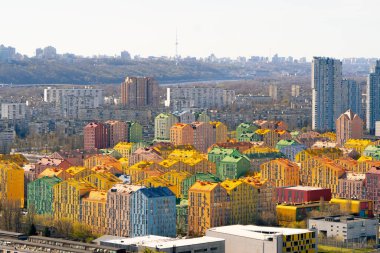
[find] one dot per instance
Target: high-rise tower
(139, 92)
(373, 96)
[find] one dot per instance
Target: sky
(226, 28)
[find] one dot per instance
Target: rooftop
(305, 188)
(170, 244)
(257, 232)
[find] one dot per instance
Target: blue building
(373, 95)
(153, 212)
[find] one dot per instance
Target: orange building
(281, 172)
(181, 134)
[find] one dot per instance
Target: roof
(257, 232)
(222, 151)
(305, 188)
(96, 195)
(140, 240)
(231, 184)
(123, 188)
(233, 159)
(170, 244)
(157, 192)
(75, 170)
(203, 186)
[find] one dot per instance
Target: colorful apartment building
(244, 128)
(154, 182)
(118, 215)
(182, 134)
(12, 183)
(135, 131)
(153, 212)
(358, 207)
(101, 160)
(203, 135)
(208, 207)
(68, 199)
(271, 124)
(233, 167)
(217, 154)
(176, 178)
(141, 171)
(199, 176)
(243, 201)
(40, 194)
(125, 148)
(55, 172)
(117, 130)
(352, 186)
(348, 126)
(290, 148)
(373, 187)
(219, 131)
(162, 124)
(78, 172)
(93, 213)
(372, 151)
(102, 181)
(281, 172)
(307, 154)
(357, 144)
(96, 136)
(266, 194)
(144, 154)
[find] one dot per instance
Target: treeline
(92, 70)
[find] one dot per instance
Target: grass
(330, 249)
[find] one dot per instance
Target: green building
(285, 143)
(217, 154)
(135, 132)
(233, 167)
(245, 128)
(40, 194)
(199, 176)
(372, 151)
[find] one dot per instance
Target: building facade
(348, 126)
(139, 92)
(373, 95)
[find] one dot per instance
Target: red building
(372, 181)
(302, 194)
(95, 136)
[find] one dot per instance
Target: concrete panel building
(13, 111)
(139, 92)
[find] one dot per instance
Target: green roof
(222, 151)
(207, 177)
(372, 148)
(234, 159)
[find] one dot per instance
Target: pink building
(203, 135)
(144, 154)
(352, 186)
(118, 205)
(95, 136)
(372, 178)
(182, 134)
(302, 194)
(118, 132)
(348, 126)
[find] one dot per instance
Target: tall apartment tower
(350, 96)
(139, 91)
(326, 83)
(273, 91)
(373, 96)
(348, 126)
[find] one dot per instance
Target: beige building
(162, 124)
(348, 126)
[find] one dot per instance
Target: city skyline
(244, 28)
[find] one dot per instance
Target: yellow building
(78, 172)
(324, 173)
(124, 148)
(243, 201)
(102, 181)
(281, 172)
(94, 211)
(219, 131)
(362, 207)
(124, 162)
(142, 170)
(157, 181)
(329, 135)
(169, 165)
(358, 145)
(183, 154)
(12, 183)
(266, 193)
(208, 207)
(332, 153)
(101, 160)
(67, 199)
(55, 172)
(176, 178)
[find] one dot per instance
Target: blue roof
(157, 192)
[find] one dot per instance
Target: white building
(6, 139)
(345, 228)
(182, 98)
(295, 90)
(258, 239)
(164, 244)
(70, 100)
(186, 117)
(13, 111)
(377, 128)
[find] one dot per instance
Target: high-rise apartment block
(95, 136)
(348, 126)
(139, 92)
(13, 111)
(351, 96)
(373, 95)
(182, 98)
(273, 91)
(69, 101)
(326, 81)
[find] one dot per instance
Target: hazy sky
(337, 28)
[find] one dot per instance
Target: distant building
(69, 101)
(139, 92)
(48, 52)
(351, 96)
(135, 131)
(326, 81)
(348, 126)
(250, 238)
(125, 55)
(182, 134)
(373, 95)
(162, 124)
(95, 136)
(118, 132)
(7, 53)
(295, 90)
(13, 111)
(372, 178)
(203, 136)
(273, 92)
(184, 98)
(185, 116)
(7, 137)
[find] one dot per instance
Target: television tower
(176, 47)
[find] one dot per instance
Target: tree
(46, 232)
(82, 232)
(64, 227)
(32, 230)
